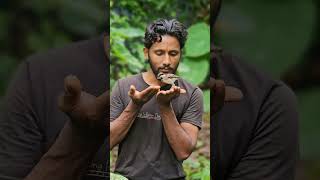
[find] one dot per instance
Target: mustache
(166, 68)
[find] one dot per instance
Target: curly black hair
(161, 27)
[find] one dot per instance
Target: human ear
(146, 53)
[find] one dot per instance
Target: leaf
(114, 176)
(120, 51)
(194, 70)
(198, 42)
(129, 32)
(272, 41)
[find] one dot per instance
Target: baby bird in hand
(169, 80)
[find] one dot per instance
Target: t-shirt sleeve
(116, 103)
(194, 111)
(273, 151)
(20, 135)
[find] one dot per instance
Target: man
(256, 135)
(156, 129)
(37, 140)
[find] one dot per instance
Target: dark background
(278, 36)
(281, 37)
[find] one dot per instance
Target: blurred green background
(128, 20)
(278, 36)
(27, 27)
(281, 38)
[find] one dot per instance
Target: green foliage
(128, 20)
(266, 34)
(7, 65)
(28, 27)
(198, 169)
(309, 124)
(198, 43)
(274, 42)
(114, 176)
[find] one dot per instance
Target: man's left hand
(165, 97)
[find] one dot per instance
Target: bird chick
(169, 80)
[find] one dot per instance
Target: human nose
(166, 60)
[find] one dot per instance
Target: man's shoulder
(130, 79)
(85, 59)
(251, 80)
(71, 53)
(135, 79)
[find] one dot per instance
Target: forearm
(69, 156)
(179, 140)
(120, 126)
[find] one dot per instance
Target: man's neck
(150, 78)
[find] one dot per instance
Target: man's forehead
(167, 41)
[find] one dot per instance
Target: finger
(173, 90)
(233, 94)
(183, 91)
(103, 102)
(162, 92)
(211, 83)
(176, 92)
(72, 86)
(156, 90)
(71, 95)
(151, 90)
(218, 95)
(103, 106)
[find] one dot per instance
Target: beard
(155, 70)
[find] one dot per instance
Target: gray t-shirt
(145, 152)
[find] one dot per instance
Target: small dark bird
(169, 80)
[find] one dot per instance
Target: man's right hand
(80, 138)
(140, 98)
(121, 125)
(85, 110)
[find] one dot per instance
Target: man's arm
(69, 157)
(81, 137)
(121, 125)
(182, 137)
(273, 151)
(21, 152)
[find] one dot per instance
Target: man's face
(164, 56)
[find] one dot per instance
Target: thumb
(72, 86)
(218, 95)
(103, 102)
(72, 92)
(132, 90)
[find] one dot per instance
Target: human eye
(159, 53)
(174, 53)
